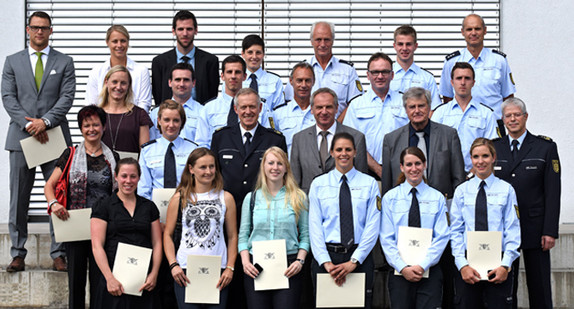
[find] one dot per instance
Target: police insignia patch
(512, 79)
(556, 166)
(517, 212)
(272, 122)
(359, 86)
(379, 205)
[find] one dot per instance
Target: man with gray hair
(331, 72)
(531, 165)
(439, 143)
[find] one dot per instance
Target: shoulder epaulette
(222, 128)
(439, 106)
(496, 139)
(274, 131)
(186, 139)
(346, 62)
(428, 71)
(320, 175)
(152, 108)
(353, 98)
(149, 143)
(490, 108)
(544, 137)
(499, 52)
(273, 73)
(452, 55)
(400, 92)
(281, 105)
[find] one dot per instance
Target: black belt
(338, 248)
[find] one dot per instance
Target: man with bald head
(330, 72)
(494, 82)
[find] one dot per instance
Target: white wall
(13, 17)
(536, 35)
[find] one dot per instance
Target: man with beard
(205, 65)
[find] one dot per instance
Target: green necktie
(39, 70)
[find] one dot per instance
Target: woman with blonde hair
(196, 216)
(127, 126)
(279, 211)
(117, 39)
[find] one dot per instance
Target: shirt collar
(519, 139)
(130, 64)
(350, 174)
(252, 131)
(331, 130)
(472, 104)
(475, 181)
(45, 51)
(467, 56)
(421, 187)
(414, 67)
(315, 61)
(292, 105)
(191, 54)
(426, 129)
(191, 103)
(258, 73)
(176, 142)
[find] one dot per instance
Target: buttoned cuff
(323, 258)
(460, 262)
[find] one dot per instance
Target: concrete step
(34, 289)
(38, 246)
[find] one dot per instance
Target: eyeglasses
(384, 72)
(516, 115)
(37, 28)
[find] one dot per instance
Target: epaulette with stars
(452, 55)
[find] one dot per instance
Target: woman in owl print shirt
(196, 216)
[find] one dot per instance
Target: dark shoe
(17, 264)
(60, 264)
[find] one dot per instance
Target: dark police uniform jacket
(240, 169)
(535, 175)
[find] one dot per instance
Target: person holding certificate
(196, 217)
(127, 125)
(128, 218)
(118, 40)
(344, 220)
(416, 205)
(484, 203)
(91, 175)
(278, 211)
(163, 160)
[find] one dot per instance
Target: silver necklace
(114, 137)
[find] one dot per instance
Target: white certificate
(484, 251)
(76, 228)
(203, 272)
(131, 266)
(350, 295)
(127, 154)
(413, 244)
(161, 199)
(272, 256)
(37, 153)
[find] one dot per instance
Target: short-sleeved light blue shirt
(269, 86)
(290, 119)
(415, 76)
(192, 110)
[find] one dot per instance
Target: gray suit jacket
(445, 165)
(21, 98)
(305, 160)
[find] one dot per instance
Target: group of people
(261, 161)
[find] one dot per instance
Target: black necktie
(247, 142)
(253, 84)
(169, 178)
(480, 211)
(514, 149)
(414, 212)
(231, 116)
(185, 59)
(346, 214)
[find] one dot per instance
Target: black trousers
(80, 260)
(427, 293)
(368, 267)
(484, 294)
(537, 268)
(276, 299)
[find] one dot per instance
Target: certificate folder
(76, 228)
(483, 251)
(203, 272)
(350, 295)
(37, 153)
(272, 256)
(131, 266)
(413, 244)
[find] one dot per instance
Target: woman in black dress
(131, 219)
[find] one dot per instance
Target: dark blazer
(240, 169)
(535, 176)
(21, 98)
(206, 75)
(445, 165)
(305, 159)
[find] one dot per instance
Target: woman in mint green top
(279, 212)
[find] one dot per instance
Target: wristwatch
(46, 122)
(354, 261)
(302, 261)
(507, 268)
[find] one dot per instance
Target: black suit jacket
(535, 176)
(206, 75)
(240, 169)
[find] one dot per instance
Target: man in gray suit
(38, 86)
(308, 145)
(445, 165)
